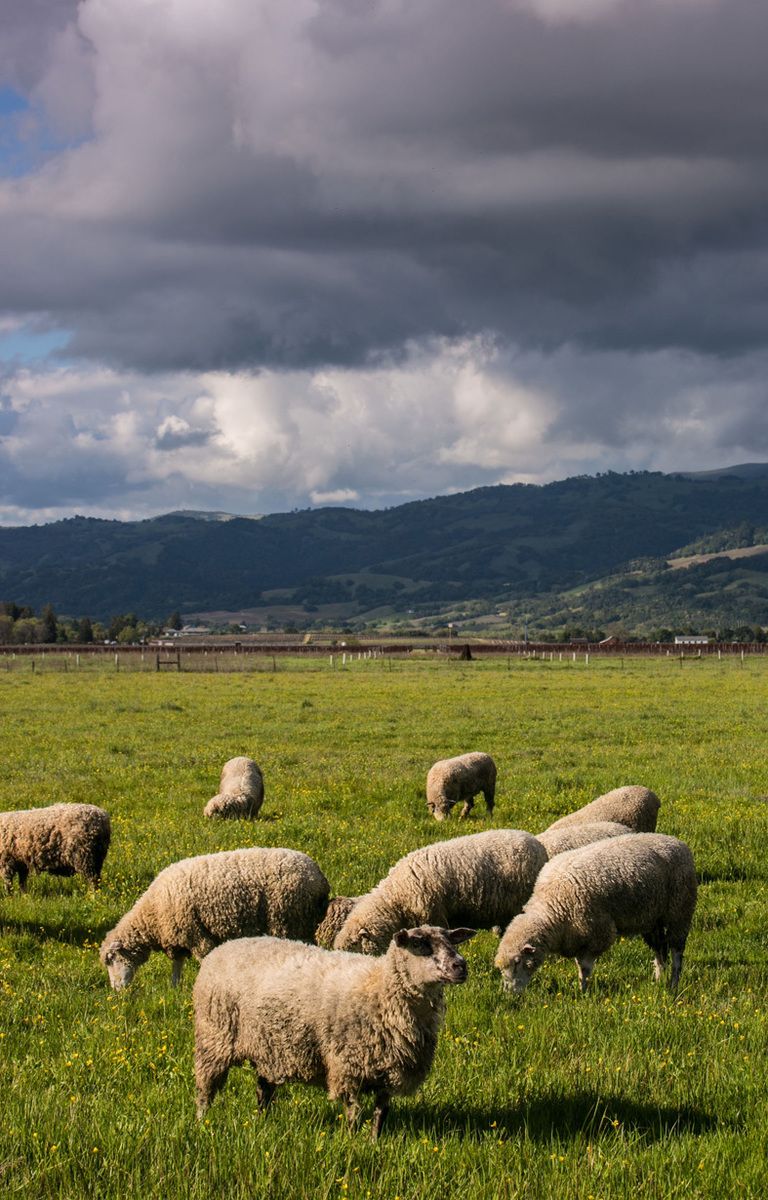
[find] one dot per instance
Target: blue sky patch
(11, 101)
(26, 346)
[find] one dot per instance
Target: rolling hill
(584, 548)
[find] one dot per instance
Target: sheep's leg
(207, 1083)
(586, 965)
(490, 795)
(177, 966)
(351, 1110)
(22, 870)
(264, 1091)
(379, 1114)
(657, 941)
(467, 808)
(677, 966)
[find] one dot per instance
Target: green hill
(597, 545)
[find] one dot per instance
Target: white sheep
(62, 839)
(339, 1021)
(241, 790)
(482, 879)
(454, 780)
(640, 884)
(193, 905)
(572, 837)
(634, 806)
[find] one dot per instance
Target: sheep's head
(432, 953)
(517, 964)
(358, 939)
(440, 808)
(121, 967)
(332, 923)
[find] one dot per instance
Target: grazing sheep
(641, 884)
(482, 879)
(342, 1022)
(63, 839)
(195, 904)
(634, 806)
(573, 837)
(451, 780)
(241, 790)
(336, 914)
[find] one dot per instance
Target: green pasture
(623, 1093)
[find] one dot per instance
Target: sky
(257, 256)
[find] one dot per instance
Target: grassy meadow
(622, 1093)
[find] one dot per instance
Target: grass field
(623, 1093)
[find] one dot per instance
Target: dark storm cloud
(351, 176)
(381, 249)
(29, 28)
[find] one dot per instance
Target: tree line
(20, 625)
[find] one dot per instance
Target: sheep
(634, 806)
(336, 914)
(336, 1020)
(482, 879)
(573, 837)
(62, 839)
(642, 883)
(241, 790)
(451, 780)
(195, 904)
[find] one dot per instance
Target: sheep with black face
(340, 1021)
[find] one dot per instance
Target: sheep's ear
(528, 948)
(402, 938)
(457, 936)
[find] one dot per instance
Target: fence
(263, 657)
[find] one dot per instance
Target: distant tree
(744, 633)
(84, 630)
(25, 631)
(6, 629)
(48, 625)
(119, 623)
(174, 621)
(128, 635)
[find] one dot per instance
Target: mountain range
(591, 550)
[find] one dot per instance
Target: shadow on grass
(578, 1115)
(732, 874)
(57, 930)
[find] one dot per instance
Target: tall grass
(622, 1093)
